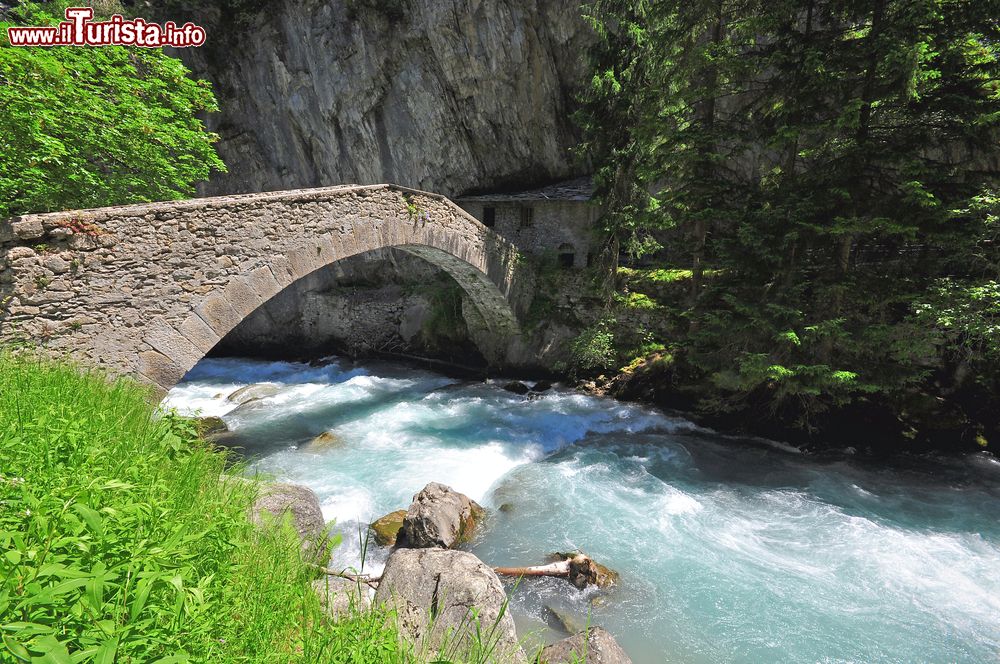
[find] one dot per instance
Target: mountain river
(729, 550)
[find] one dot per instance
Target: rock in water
(541, 386)
(325, 440)
(341, 598)
(595, 646)
(439, 517)
(386, 529)
(210, 426)
(275, 501)
(255, 391)
(585, 571)
(435, 593)
(517, 387)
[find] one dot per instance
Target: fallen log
(560, 568)
(580, 569)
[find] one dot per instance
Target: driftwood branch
(560, 568)
(368, 579)
(580, 569)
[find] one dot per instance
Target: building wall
(555, 224)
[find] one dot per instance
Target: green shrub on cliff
(86, 127)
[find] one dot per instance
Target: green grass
(122, 541)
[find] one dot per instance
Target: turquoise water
(729, 551)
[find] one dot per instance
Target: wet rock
(435, 594)
(506, 508)
(300, 504)
(517, 387)
(325, 440)
(564, 620)
(255, 391)
(386, 530)
(541, 386)
(584, 571)
(439, 517)
(210, 426)
(595, 646)
(341, 598)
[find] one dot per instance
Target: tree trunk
(706, 165)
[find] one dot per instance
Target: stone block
(160, 369)
(218, 314)
(199, 333)
(164, 338)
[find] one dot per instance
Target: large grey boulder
(594, 646)
(275, 501)
(439, 516)
(439, 596)
(341, 598)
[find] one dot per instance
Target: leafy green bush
(594, 349)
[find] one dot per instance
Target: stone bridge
(149, 289)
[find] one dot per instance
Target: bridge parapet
(149, 289)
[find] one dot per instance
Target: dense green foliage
(825, 169)
(86, 127)
(120, 543)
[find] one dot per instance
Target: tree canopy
(826, 170)
(85, 127)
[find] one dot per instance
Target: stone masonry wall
(149, 289)
(554, 224)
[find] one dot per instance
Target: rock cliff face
(444, 95)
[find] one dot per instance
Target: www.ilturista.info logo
(79, 30)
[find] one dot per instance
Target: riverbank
(125, 539)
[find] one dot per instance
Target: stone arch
(159, 285)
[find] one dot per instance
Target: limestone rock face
(302, 505)
(448, 585)
(595, 644)
(439, 516)
(436, 95)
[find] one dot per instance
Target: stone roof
(580, 189)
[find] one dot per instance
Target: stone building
(558, 219)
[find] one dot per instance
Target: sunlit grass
(122, 540)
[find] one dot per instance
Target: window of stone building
(527, 216)
(489, 216)
(567, 256)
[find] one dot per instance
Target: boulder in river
(517, 387)
(439, 516)
(210, 426)
(276, 501)
(541, 386)
(341, 598)
(386, 530)
(594, 646)
(439, 596)
(255, 391)
(325, 440)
